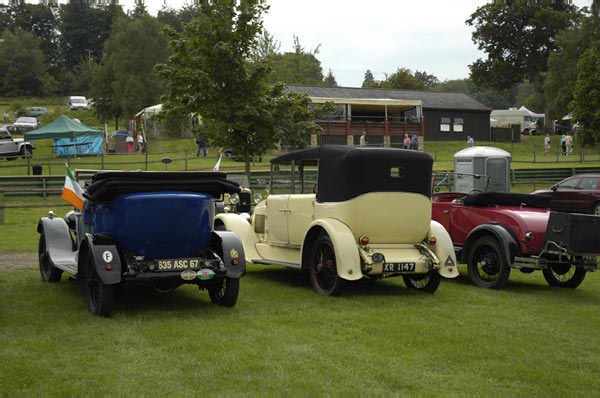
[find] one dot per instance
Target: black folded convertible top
(507, 199)
(107, 185)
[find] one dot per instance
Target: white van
(76, 103)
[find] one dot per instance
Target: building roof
(430, 99)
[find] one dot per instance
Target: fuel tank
(154, 224)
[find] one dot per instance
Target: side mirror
(553, 187)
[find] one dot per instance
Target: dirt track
(18, 261)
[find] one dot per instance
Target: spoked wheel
(564, 275)
(428, 282)
(225, 292)
(486, 263)
(47, 270)
(99, 295)
(323, 269)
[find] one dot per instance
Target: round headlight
(234, 199)
(363, 240)
(257, 198)
(378, 257)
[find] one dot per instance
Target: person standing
(363, 139)
(129, 141)
(201, 146)
(414, 142)
(547, 144)
(569, 144)
(470, 141)
(140, 141)
(406, 142)
(6, 117)
(563, 145)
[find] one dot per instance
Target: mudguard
(104, 250)
(444, 250)
(344, 245)
(59, 244)
(244, 230)
(232, 250)
(508, 242)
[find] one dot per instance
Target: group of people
(139, 140)
(566, 144)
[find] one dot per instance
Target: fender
(244, 230)
(232, 249)
(344, 245)
(507, 241)
(104, 249)
(59, 243)
(444, 250)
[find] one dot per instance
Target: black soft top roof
(507, 199)
(107, 185)
(346, 172)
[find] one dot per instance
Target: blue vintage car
(145, 229)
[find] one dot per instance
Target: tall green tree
(177, 18)
(211, 75)
(369, 80)
(139, 10)
(586, 97)
(517, 39)
(329, 80)
(22, 65)
(429, 81)
(402, 79)
(559, 83)
(297, 67)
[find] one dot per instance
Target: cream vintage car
(367, 213)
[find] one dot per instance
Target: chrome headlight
(234, 199)
(257, 198)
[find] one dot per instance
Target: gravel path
(18, 261)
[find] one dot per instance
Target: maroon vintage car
(493, 232)
(577, 194)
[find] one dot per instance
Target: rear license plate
(178, 264)
(399, 267)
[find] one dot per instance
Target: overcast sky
(380, 35)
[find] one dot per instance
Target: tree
(298, 67)
(488, 97)
(559, 82)
(586, 98)
(211, 75)
(369, 80)
(267, 48)
(517, 39)
(176, 19)
(139, 10)
(21, 64)
(329, 80)
(82, 77)
(402, 79)
(429, 81)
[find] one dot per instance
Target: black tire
(567, 276)
(323, 268)
(99, 295)
(597, 209)
(48, 272)
(225, 292)
(219, 226)
(428, 282)
(487, 263)
(25, 152)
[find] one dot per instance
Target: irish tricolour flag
(72, 192)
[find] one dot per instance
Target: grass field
(282, 339)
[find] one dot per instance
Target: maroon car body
(493, 232)
(577, 194)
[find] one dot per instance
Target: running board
(70, 268)
(269, 262)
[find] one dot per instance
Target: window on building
(445, 124)
(457, 127)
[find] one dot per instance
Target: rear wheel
(428, 282)
(99, 295)
(323, 268)
(597, 209)
(564, 276)
(487, 264)
(225, 292)
(48, 272)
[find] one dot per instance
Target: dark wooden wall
(475, 123)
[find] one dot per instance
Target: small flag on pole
(216, 168)
(72, 192)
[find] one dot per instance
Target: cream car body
(283, 228)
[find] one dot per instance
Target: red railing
(372, 128)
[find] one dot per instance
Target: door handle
(445, 211)
(284, 210)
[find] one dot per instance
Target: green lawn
(283, 339)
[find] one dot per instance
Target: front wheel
(487, 264)
(567, 276)
(597, 209)
(323, 268)
(428, 282)
(25, 152)
(225, 292)
(99, 295)
(48, 272)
